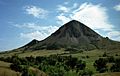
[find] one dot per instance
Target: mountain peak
(75, 25)
(72, 34)
(75, 29)
(74, 21)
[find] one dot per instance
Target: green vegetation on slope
(89, 57)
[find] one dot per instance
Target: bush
(105, 54)
(16, 67)
(81, 65)
(71, 62)
(87, 56)
(100, 65)
(116, 67)
(116, 55)
(111, 59)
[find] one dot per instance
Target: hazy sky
(24, 20)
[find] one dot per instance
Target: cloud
(35, 31)
(36, 11)
(33, 35)
(66, 3)
(63, 8)
(114, 35)
(32, 26)
(94, 16)
(117, 7)
(62, 19)
(75, 5)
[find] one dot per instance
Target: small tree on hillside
(100, 65)
(116, 67)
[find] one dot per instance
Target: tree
(25, 72)
(105, 54)
(116, 67)
(66, 68)
(100, 65)
(111, 59)
(81, 65)
(71, 62)
(52, 62)
(16, 67)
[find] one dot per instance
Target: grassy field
(6, 71)
(88, 56)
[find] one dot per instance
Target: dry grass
(4, 64)
(6, 71)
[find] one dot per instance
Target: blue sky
(24, 20)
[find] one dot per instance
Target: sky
(24, 20)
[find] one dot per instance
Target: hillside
(73, 34)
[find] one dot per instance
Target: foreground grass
(6, 71)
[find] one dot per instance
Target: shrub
(100, 65)
(87, 56)
(81, 65)
(71, 62)
(105, 54)
(16, 67)
(116, 55)
(116, 67)
(111, 59)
